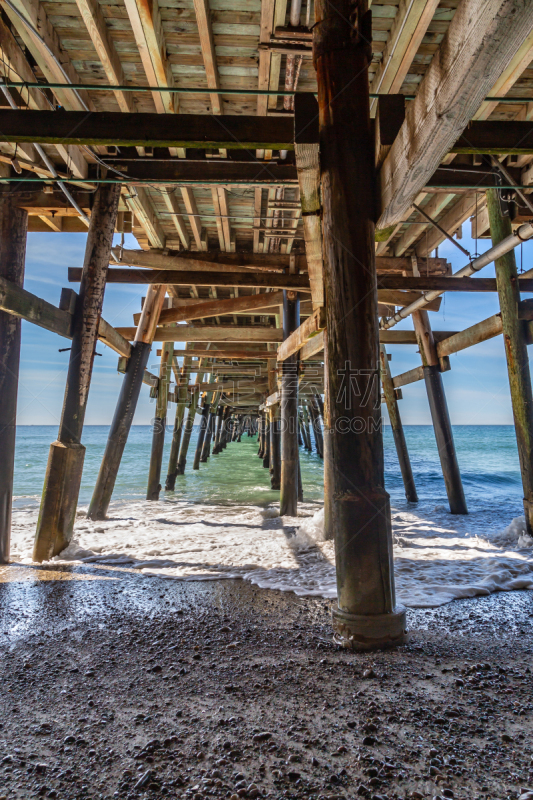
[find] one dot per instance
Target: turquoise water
(487, 456)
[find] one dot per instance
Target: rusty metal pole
(13, 230)
(397, 428)
(514, 337)
(65, 461)
(357, 509)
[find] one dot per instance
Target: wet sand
(113, 685)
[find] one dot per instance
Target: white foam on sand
(437, 557)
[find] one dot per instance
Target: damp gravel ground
(118, 686)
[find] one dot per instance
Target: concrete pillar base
(369, 631)
(60, 499)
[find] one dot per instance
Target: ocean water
(223, 522)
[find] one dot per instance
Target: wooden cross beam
(261, 280)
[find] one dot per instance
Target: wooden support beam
(148, 130)
(96, 26)
(451, 221)
(306, 147)
(23, 304)
(514, 335)
(493, 136)
(356, 506)
(178, 220)
(65, 462)
(147, 28)
(479, 42)
(13, 228)
(159, 423)
(139, 202)
(207, 46)
(290, 461)
(136, 375)
(261, 280)
(439, 413)
(194, 218)
(397, 428)
(480, 332)
(299, 337)
(404, 298)
(214, 308)
(411, 376)
(433, 208)
(206, 333)
(408, 28)
(216, 260)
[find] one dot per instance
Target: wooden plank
(194, 218)
(142, 207)
(145, 19)
(479, 42)
(480, 332)
(492, 136)
(411, 376)
(154, 130)
(190, 333)
(298, 338)
(234, 354)
(207, 46)
(25, 305)
(272, 280)
(178, 220)
(94, 20)
(402, 298)
(214, 260)
(213, 308)
(209, 171)
(306, 151)
(312, 347)
(408, 28)
(31, 308)
(517, 65)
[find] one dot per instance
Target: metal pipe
(296, 10)
(523, 233)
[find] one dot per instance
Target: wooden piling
(206, 449)
(187, 431)
(357, 510)
(289, 412)
(275, 447)
(306, 429)
(514, 337)
(397, 428)
(65, 461)
(13, 230)
(159, 423)
(201, 432)
(266, 456)
(170, 483)
(439, 413)
(127, 402)
(220, 415)
(315, 424)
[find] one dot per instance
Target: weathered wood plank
(480, 41)
(190, 278)
(214, 308)
(220, 333)
(154, 130)
(298, 338)
(23, 304)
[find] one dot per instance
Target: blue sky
(477, 387)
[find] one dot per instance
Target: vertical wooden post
(289, 412)
(220, 415)
(65, 461)
(187, 431)
(181, 392)
(13, 230)
(515, 351)
(127, 402)
(159, 423)
(226, 423)
(266, 456)
(305, 415)
(201, 432)
(206, 449)
(439, 413)
(397, 428)
(275, 448)
(357, 510)
(315, 423)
